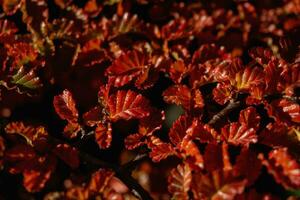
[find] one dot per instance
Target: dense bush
(149, 99)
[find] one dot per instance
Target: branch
(129, 166)
(217, 117)
(120, 172)
(126, 178)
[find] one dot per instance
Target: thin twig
(129, 166)
(217, 117)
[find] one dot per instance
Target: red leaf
(289, 79)
(177, 71)
(122, 25)
(178, 94)
(191, 153)
(19, 157)
(151, 123)
(103, 135)
(250, 77)
(237, 134)
(65, 106)
(127, 105)
(248, 166)
(178, 129)
(92, 8)
(283, 167)
(147, 77)
(68, 154)
(127, 66)
(159, 149)
(272, 76)
(275, 135)
(217, 185)
(71, 130)
(89, 57)
(179, 182)
(261, 55)
(100, 180)
(10, 7)
(35, 178)
(77, 192)
(291, 108)
(93, 116)
(249, 118)
(19, 152)
(31, 134)
(208, 52)
(284, 110)
(175, 29)
(198, 99)
(133, 141)
(222, 93)
(216, 157)
(227, 69)
(202, 132)
(22, 53)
